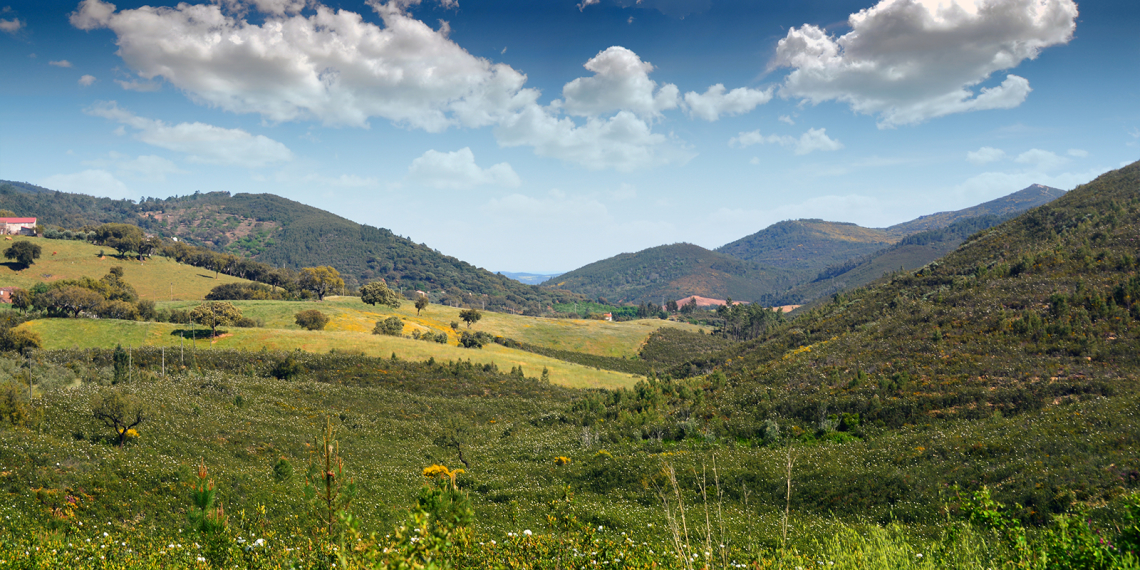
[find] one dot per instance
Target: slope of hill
(670, 272)
(157, 279)
(807, 246)
(1010, 363)
(278, 231)
(909, 253)
(1020, 201)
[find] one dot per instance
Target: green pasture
(157, 278)
(106, 333)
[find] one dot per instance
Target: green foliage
(215, 314)
(121, 364)
(378, 293)
(475, 340)
(245, 292)
(327, 490)
(421, 304)
(627, 365)
(23, 252)
(311, 319)
(320, 280)
(470, 316)
(283, 470)
(392, 326)
(669, 347)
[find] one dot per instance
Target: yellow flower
(562, 460)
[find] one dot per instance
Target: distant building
(6, 294)
(608, 316)
(18, 226)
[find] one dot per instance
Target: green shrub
(311, 319)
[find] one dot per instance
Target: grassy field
(157, 279)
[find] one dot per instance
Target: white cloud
(715, 102)
(810, 141)
(319, 180)
(87, 80)
(458, 171)
(786, 119)
(623, 142)
(620, 83)
(201, 142)
(93, 182)
(11, 26)
(330, 65)
(60, 63)
(754, 160)
(991, 185)
(149, 167)
(1078, 153)
(985, 155)
(908, 61)
(1041, 159)
(140, 86)
(582, 6)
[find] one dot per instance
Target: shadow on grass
(15, 265)
(194, 334)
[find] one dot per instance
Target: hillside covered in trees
(283, 233)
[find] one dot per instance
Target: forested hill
(671, 272)
(1039, 309)
(807, 246)
(281, 232)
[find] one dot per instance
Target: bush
(249, 323)
(477, 340)
(391, 326)
(312, 319)
(118, 310)
(146, 310)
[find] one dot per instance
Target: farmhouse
(6, 294)
(18, 226)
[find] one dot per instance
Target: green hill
(281, 232)
(807, 246)
(671, 272)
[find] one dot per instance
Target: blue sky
(540, 136)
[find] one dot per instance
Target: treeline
(109, 297)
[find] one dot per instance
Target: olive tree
(320, 280)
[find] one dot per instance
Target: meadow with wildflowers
(980, 412)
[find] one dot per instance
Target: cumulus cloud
(715, 102)
(1041, 159)
(201, 142)
(810, 141)
(94, 182)
(329, 65)
(87, 80)
(584, 3)
(60, 63)
(623, 142)
(908, 61)
(304, 61)
(458, 171)
(985, 155)
(1078, 153)
(620, 83)
(11, 26)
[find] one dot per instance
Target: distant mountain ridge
(282, 232)
(529, 278)
(792, 261)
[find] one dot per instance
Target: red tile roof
(18, 220)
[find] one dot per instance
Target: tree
(24, 252)
(320, 280)
(312, 319)
(421, 304)
(69, 300)
(391, 326)
(215, 314)
(23, 300)
(119, 412)
(470, 316)
(378, 293)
